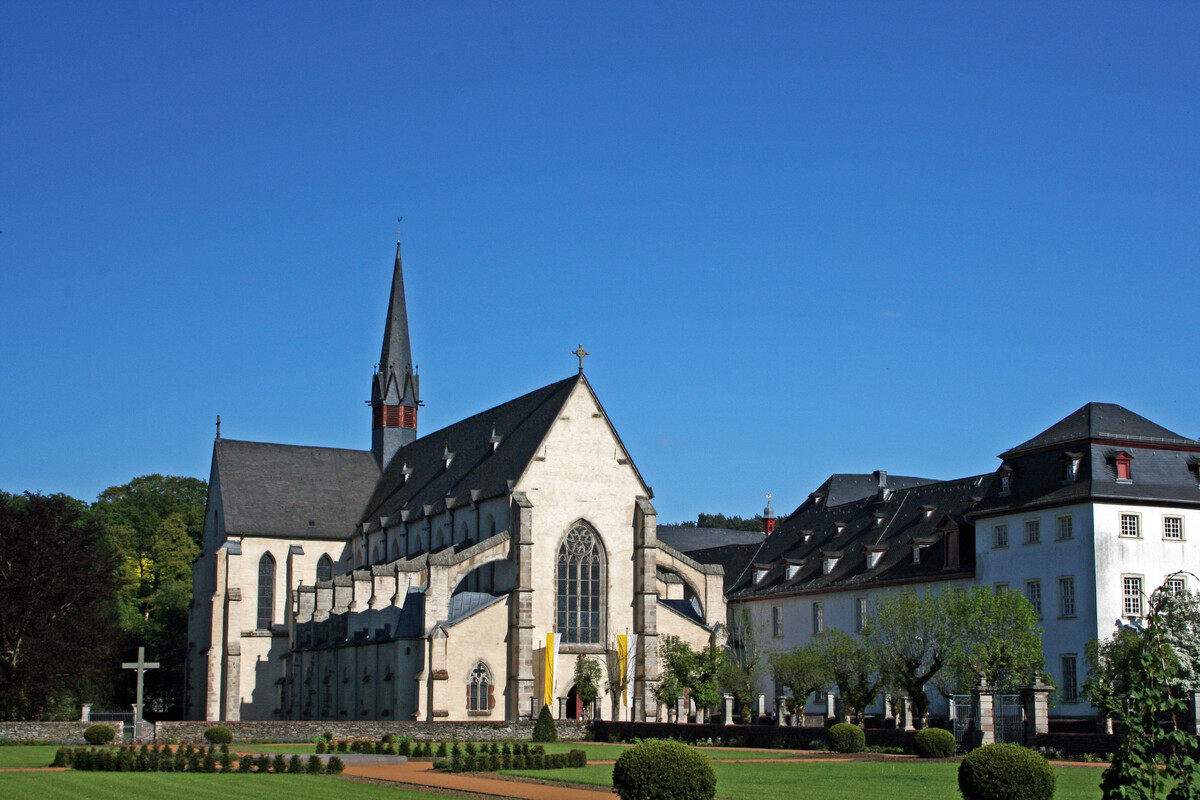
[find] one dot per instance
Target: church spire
(395, 395)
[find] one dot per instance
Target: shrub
(342, 746)
(226, 762)
(1005, 772)
(294, 765)
(100, 734)
(314, 767)
(279, 764)
(935, 743)
(388, 738)
(62, 758)
(321, 746)
(846, 738)
(219, 734)
(545, 730)
(443, 750)
(246, 764)
(664, 771)
(263, 764)
(335, 766)
(577, 758)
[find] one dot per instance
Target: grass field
(27, 755)
(159, 786)
(838, 780)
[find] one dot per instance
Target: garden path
(421, 773)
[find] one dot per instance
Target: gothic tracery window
(580, 586)
(266, 591)
(479, 688)
(324, 569)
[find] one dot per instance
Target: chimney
(882, 491)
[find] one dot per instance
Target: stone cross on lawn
(141, 665)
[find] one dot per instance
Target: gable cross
(580, 353)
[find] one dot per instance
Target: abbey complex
(460, 574)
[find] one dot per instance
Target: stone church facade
(426, 578)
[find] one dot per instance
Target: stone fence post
(830, 706)
(987, 714)
(85, 713)
(681, 710)
(728, 710)
(905, 714)
(1035, 700)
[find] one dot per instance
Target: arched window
(489, 527)
(580, 586)
(375, 557)
(464, 532)
(266, 591)
(324, 569)
(479, 688)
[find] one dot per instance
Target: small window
(324, 569)
(860, 614)
(1176, 586)
(1124, 463)
(1173, 528)
(1033, 593)
(1000, 536)
(776, 621)
(1033, 531)
(1005, 484)
(818, 617)
(1131, 525)
(1066, 596)
(1000, 588)
(1070, 467)
(1070, 681)
(479, 689)
(1131, 592)
(1066, 527)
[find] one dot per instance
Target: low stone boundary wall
(57, 732)
(303, 731)
(749, 735)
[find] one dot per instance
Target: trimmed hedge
(99, 734)
(658, 770)
(1005, 772)
(846, 738)
(935, 743)
(545, 730)
(219, 734)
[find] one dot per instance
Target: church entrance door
(574, 705)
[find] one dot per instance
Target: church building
(456, 575)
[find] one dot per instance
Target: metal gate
(1010, 719)
(964, 708)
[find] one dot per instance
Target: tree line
(85, 584)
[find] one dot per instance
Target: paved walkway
(420, 773)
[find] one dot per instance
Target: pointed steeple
(395, 393)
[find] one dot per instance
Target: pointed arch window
(479, 689)
(580, 586)
(266, 591)
(325, 569)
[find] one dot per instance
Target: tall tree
(740, 673)
(853, 667)
(909, 633)
(58, 627)
(802, 671)
(993, 636)
(156, 523)
(587, 683)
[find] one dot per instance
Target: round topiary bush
(935, 743)
(1005, 772)
(846, 738)
(545, 729)
(656, 770)
(219, 734)
(100, 734)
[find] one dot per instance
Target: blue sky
(797, 238)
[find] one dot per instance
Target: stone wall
(57, 732)
(302, 731)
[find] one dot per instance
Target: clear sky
(797, 238)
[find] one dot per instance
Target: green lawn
(611, 752)
(27, 755)
(160, 786)
(838, 780)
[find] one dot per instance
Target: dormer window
(873, 557)
(918, 548)
(760, 572)
(495, 440)
(1124, 465)
(447, 457)
(1070, 466)
(879, 517)
(1194, 467)
(828, 562)
(927, 511)
(838, 527)
(792, 568)
(806, 535)
(1005, 480)
(405, 472)
(816, 498)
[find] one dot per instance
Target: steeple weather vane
(580, 353)
(398, 231)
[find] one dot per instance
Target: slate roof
(923, 513)
(291, 490)
(1100, 421)
(842, 488)
(521, 424)
(733, 558)
(686, 538)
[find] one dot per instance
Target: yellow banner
(548, 672)
(623, 660)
